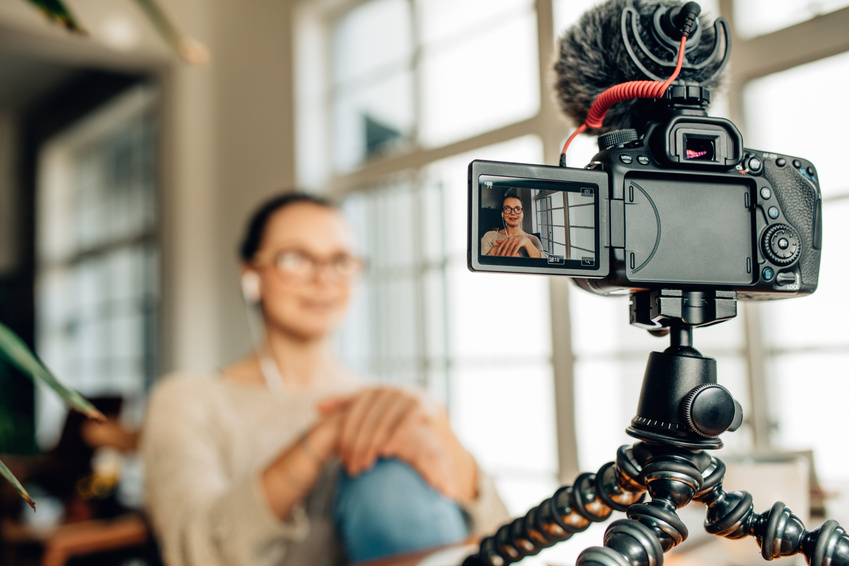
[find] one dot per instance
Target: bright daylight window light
(760, 17)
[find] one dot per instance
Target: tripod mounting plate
(658, 309)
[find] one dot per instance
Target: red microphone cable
(621, 92)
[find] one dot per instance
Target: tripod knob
(710, 410)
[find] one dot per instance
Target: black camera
(677, 204)
(684, 206)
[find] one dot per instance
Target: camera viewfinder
(699, 148)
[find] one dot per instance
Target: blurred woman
(286, 457)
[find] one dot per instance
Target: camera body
(683, 206)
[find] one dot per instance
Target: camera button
(766, 193)
(781, 162)
(643, 160)
(781, 244)
(755, 165)
(786, 277)
(768, 273)
(626, 159)
(797, 164)
(773, 212)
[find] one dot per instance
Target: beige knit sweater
(204, 444)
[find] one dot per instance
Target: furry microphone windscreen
(593, 57)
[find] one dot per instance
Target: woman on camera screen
(512, 240)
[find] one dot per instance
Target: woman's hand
(292, 474)
(509, 246)
(392, 422)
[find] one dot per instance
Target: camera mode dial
(710, 410)
(617, 138)
(781, 244)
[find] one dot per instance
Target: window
(406, 74)
(760, 17)
(97, 274)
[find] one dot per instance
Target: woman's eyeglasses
(301, 267)
(514, 210)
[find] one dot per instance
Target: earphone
(250, 287)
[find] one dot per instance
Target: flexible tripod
(681, 413)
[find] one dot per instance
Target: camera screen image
(558, 221)
(534, 224)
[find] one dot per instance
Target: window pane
(498, 315)
(91, 197)
(371, 36)
(432, 204)
(53, 289)
(92, 286)
(98, 274)
(759, 17)
(126, 335)
(398, 323)
(125, 274)
(606, 397)
(400, 214)
(489, 81)
(810, 392)
(372, 119)
(504, 414)
(435, 313)
(441, 19)
(788, 94)
(382, 333)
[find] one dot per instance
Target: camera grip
(800, 202)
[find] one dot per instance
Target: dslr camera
(672, 200)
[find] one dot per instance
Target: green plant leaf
(57, 12)
(186, 47)
(4, 471)
(16, 352)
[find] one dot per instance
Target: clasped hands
(385, 422)
(509, 246)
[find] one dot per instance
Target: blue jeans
(390, 510)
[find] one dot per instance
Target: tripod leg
(592, 498)
(778, 531)
(672, 480)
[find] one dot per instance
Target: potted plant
(14, 351)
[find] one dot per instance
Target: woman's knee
(391, 509)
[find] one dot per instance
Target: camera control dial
(617, 138)
(781, 244)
